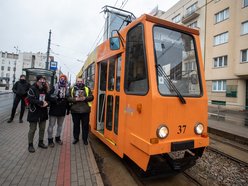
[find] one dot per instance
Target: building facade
(223, 26)
(12, 66)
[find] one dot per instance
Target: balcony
(190, 16)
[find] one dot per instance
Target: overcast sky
(75, 25)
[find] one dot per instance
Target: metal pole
(48, 49)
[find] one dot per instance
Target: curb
(228, 135)
(96, 171)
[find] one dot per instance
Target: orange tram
(150, 92)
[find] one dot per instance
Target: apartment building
(9, 71)
(12, 66)
(223, 26)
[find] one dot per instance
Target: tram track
(234, 151)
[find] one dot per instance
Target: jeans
(52, 122)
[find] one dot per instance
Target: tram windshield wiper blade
(162, 73)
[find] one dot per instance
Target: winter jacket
(80, 106)
(36, 112)
(58, 98)
(20, 88)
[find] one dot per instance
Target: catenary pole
(48, 49)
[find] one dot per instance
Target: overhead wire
(97, 41)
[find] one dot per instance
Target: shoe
(50, 142)
(85, 142)
(20, 121)
(10, 120)
(31, 148)
(58, 140)
(42, 145)
(75, 141)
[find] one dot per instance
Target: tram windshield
(176, 55)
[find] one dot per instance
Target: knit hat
(39, 77)
(64, 76)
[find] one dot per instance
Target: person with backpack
(38, 113)
(20, 89)
(59, 107)
(80, 98)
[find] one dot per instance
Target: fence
(228, 113)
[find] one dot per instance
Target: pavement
(73, 164)
(65, 164)
(230, 124)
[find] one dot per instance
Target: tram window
(175, 52)
(111, 76)
(103, 76)
(136, 81)
(101, 107)
(109, 119)
(116, 117)
(118, 74)
(90, 76)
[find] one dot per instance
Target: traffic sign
(53, 65)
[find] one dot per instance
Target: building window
(190, 66)
(245, 3)
(193, 25)
(244, 28)
(2, 67)
(219, 85)
(8, 68)
(191, 9)
(176, 19)
(221, 38)
(244, 56)
(222, 15)
(220, 61)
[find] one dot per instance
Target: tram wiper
(170, 84)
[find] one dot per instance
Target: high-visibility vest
(86, 92)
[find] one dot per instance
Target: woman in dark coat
(38, 113)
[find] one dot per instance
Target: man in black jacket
(37, 114)
(20, 89)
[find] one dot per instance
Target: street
(6, 101)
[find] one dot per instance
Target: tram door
(109, 97)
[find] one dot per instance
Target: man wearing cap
(37, 114)
(20, 89)
(59, 106)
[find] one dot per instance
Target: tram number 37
(181, 129)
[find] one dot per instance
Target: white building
(12, 66)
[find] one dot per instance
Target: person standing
(59, 106)
(80, 97)
(37, 114)
(20, 89)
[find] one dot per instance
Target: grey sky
(75, 25)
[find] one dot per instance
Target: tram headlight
(199, 128)
(162, 131)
